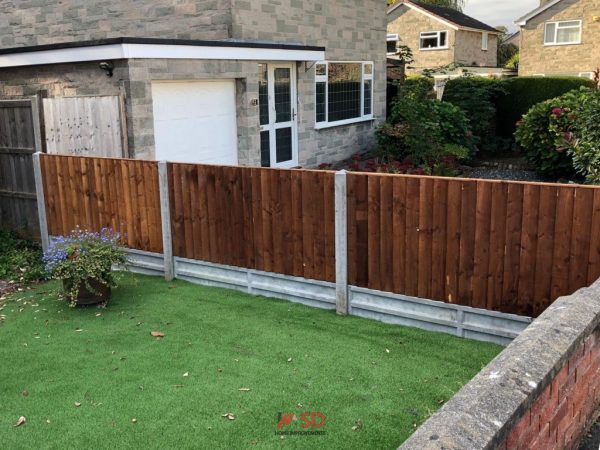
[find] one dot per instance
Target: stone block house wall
(408, 25)
(572, 59)
(468, 49)
(25, 23)
(351, 30)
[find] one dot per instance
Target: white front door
(278, 124)
(195, 121)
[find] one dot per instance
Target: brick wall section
(24, 23)
(562, 411)
(539, 393)
(537, 58)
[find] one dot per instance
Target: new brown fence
(93, 193)
(505, 246)
(272, 220)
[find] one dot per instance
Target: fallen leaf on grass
(77, 404)
(78, 329)
(387, 350)
(133, 420)
(186, 374)
(20, 422)
(157, 334)
(357, 425)
(25, 393)
(244, 389)
(289, 360)
(229, 416)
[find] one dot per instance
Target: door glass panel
(283, 95)
(265, 149)
(284, 144)
(263, 94)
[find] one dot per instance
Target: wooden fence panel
(93, 193)
(18, 207)
(506, 246)
(278, 221)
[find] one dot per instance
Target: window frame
(485, 41)
(393, 38)
(438, 35)
(556, 24)
(325, 79)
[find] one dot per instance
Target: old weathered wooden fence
(18, 141)
(504, 246)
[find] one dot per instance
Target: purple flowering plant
(82, 256)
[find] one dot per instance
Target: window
(484, 41)
(344, 93)
(589, 75)
(392, 44)
(562, 33)
(432, 40)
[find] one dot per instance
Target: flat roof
(154, 48)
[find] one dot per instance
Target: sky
(500, 12)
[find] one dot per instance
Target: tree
(454, 4)
(506, 51)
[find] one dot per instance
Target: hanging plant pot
(97, 292)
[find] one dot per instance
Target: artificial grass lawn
(383, 380)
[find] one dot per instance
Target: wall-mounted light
(108, 67)
(596, 18)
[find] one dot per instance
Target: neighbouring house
(560, 37)
(514, 39)
(440, 37)
(278, 83)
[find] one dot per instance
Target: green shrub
(424, 129)
(543, 131)
(20, 259)
(524, 92)
(584, 138)
(476, 96)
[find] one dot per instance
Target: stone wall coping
(483, 412)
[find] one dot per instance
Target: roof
(447, 15)
(530, 15)
(151, 48)
(158, 41)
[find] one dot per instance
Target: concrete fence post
(41, 200)
(165, 215)
(341, 244)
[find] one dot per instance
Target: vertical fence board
(594, 257)
(483, 219)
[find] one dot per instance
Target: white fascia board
(156, 51)
(522, 21)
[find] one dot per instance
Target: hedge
(524, 92)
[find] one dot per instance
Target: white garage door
(195, 121)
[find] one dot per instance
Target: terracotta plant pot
(101, 292)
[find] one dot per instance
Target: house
(514, 39)
(439, 37)
(560, 37)
(274, 83)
